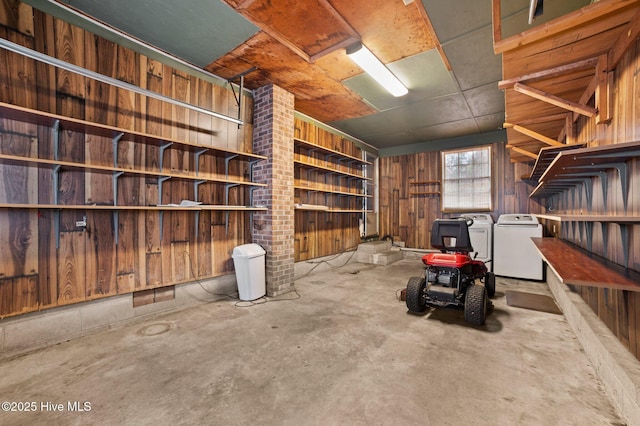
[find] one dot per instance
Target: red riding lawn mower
(450, 276)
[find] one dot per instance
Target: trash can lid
(248, 251)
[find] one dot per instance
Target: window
(466, 179)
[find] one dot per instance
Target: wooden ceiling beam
(604, 90)
(533, 134)
(624, 42)
(555, 100)
(496, 20)
(544, 119)
(522, 151)
(551, 72)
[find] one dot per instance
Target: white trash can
(248, 261)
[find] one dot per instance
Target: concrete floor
(345, 352)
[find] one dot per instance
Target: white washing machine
(514, 254)
(481, 234)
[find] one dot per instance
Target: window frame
(443, 181)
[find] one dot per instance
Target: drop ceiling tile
(175, 27)
(472, 59)
(454, 18)
(487, 123)
(399, 120)
(447, 130)
(487, 99)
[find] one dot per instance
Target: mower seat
(451, 235)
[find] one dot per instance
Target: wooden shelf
(329, 169)
(339, 170)
(578, 167)
(311, 209)
(546, 157)
(111, 207)
(28, 115)
(590, 218)
(108, 169)
(200, 207)
(575, 266)
(426, 183)
(329, 151)
(329, 191)
(58, 123)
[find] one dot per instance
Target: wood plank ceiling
(551, 73)
(301, 46)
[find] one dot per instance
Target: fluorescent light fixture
(535, 9)
(376, 69)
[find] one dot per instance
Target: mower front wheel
(415, 291)
(490, 284)
(475, 304)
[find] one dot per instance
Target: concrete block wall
(36, 330)
(273, 131)
(616, 367)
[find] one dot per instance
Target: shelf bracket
(56, 213)
(55, 133)
(196, 159)
(581, 232)
(588, 189)
(161, 180)
(238, 97)
(163, 148)
(226, 192)
(197, 224)
(226, 164)
(114, 184)
(624, 234)
(54, 177)
(251, 191)
(161, 213)
(624, 182)
(605, 238)
(588, 227)
(116, 224)
(327, 156)
(604, 184)
(56, 226)
(623, 174)
(196, 184)
(114, 142)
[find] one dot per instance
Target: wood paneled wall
(619, 310)
(408, 218)
(318, 233)
(88, 264)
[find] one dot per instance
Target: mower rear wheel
(490, 284)
(415, 291)
(475, 304)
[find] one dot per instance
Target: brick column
(273, 125)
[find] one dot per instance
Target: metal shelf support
(55, 134)
(114, 142)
